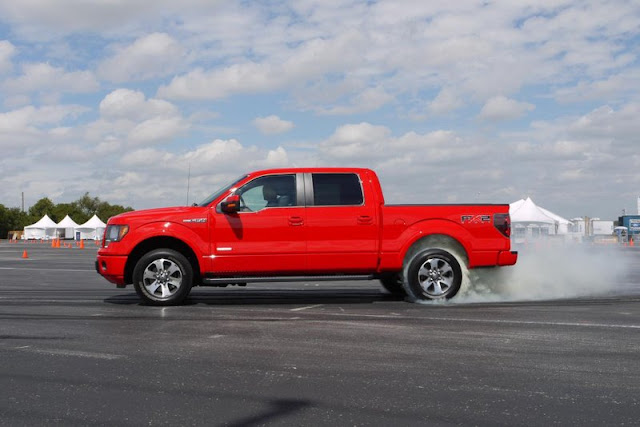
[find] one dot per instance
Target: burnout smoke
(544, 273)
(548, 272)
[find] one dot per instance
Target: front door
(268, 235)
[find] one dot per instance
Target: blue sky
(450, 102)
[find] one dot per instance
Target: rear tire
(163, 277)
(432, 274)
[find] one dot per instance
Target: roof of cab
(311, 170)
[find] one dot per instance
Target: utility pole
(23, 202)
(188, 182)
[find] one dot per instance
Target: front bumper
(112, 268)
(507, 257)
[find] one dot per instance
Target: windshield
(220, 192)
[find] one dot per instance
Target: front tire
(163, 277)
(432, 274)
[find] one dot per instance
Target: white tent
(92, 229)
(562, 225)
(43, 229)
(530, 220)
(526, 212)
(67, 228)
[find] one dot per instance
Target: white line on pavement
(56, 352)
(306, 308)
(507, 322)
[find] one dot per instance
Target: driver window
(268, 192)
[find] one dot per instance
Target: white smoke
(544, 273)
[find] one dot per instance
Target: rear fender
(436, 227)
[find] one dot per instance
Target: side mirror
(231, 204)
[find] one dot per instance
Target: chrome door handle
(296, 221)
(365, 220)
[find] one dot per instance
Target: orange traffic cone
(24, 254)
(81, 244)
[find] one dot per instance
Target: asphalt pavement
(75, 350)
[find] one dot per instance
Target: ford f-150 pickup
(309, 224)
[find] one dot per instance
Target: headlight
(115, 233)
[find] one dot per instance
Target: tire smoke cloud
(548, 273)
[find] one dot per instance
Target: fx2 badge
(475, 219)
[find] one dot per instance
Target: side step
(217, 281)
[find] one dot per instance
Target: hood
(158, 213)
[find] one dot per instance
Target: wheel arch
(158, 242)
(436, 241)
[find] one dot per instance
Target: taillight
(503, 223)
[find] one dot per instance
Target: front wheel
(433, 274)
(163, 277)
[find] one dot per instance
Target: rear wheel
(433, 274)
(163, 277)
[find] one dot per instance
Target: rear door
(342, 231)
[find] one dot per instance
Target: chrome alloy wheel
(162, 278)
(436, 276)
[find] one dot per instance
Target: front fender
(170, 229)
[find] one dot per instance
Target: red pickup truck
(307, 224)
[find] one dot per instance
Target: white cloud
(127, 117)
(212, 165)
(46, 78)
(272, 125)
(154, 55)
(32, 117)
(132, 105)
(502, 108)
(365, 143)
(7, 51)
(43, 19)
(446, 101)
(297, 66)
(17, 101)
(367, 100)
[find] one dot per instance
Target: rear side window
(337, 189)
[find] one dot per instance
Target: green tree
(106, 211)
(88, 205)
(72, 209)
(41, 208)
(11, 219)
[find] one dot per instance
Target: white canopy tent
(92, 229)
(43, 229)
(67, 228)
(530, 220)
(526, 212)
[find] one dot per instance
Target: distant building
(632, 223)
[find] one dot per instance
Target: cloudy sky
(449, 101)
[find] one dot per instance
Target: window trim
(299, 184)
(309, 193)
